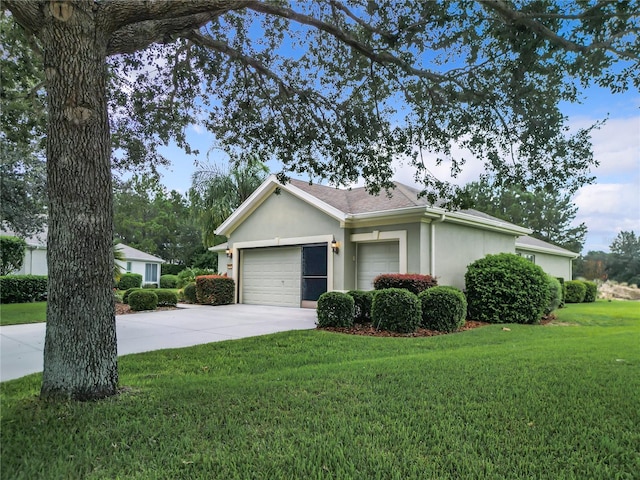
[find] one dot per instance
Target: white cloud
(617, 146)
(607, 209)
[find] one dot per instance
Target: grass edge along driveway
(533, 402)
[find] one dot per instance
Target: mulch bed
(368, 330)
(124, 309)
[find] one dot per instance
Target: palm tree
(217, 191)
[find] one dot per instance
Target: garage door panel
(375, 259)
(271, 276)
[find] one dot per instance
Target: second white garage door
(374, 259)
(271, 276)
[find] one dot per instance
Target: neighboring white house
(137, 261)
(35, 255)
(289, 243)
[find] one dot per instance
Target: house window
(128, 267)
(528, 256)
(151, 272)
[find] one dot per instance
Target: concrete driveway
(21, 346)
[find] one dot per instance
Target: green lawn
(18, 313)
(545, 402)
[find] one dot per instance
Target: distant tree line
(622, 264)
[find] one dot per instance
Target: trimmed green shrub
(362, 304)
(170, 269)
(129, 280)
(443, 308)
(564, 291)
(23, 288)
(11, 254)
(127, 292)
(189, 293)
(169, 281)
(413, 282)
(215, 290)
(335, 309)
(166, 298)
(140, 300)
(189, 275)
(554, 295)
(576, 291)
(150, 285)
(396, 310)
(506, 288)
(591, 292)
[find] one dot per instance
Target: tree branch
(117, 14)
(138, 36)
(378, 57)
(208, 42)
(513, 16)
(28, 14)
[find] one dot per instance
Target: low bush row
(502, 288)
(23, 288)
(580, 291)
(164, 297)
(394, 309)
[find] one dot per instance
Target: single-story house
(135, 261)
(289, 243)
(35, 255)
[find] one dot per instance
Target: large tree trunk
(80, 353)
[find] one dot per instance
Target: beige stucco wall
(456, 246)
(285, 216)
(552, 264)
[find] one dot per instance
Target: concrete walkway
(21, 346)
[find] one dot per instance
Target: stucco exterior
(457, 246)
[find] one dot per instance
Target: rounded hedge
(362, 304)
(169, 281)
(443, 308)
(396, 310)
(189, 293)
(143, 300)
(130, 280)
(125, 295)
(506, 288)
(335, 309)
(591, 292)
(575, 291)
(166, 298)
(554, 294)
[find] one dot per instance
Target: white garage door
(374, 259)
(271, 276)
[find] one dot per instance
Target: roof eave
(551, 251)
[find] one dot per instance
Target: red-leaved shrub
(413, 282)
(215, 290)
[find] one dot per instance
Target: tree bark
(80, 353)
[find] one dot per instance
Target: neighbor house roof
(131, 253)
(38, 240)
(349, 206)
(532, 244)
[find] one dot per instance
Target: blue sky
(608, 206)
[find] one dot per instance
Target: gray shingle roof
(358, 200)
(131, 253)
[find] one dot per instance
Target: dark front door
(314, 273)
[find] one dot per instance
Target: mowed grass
(546, 402)
(19, 313)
